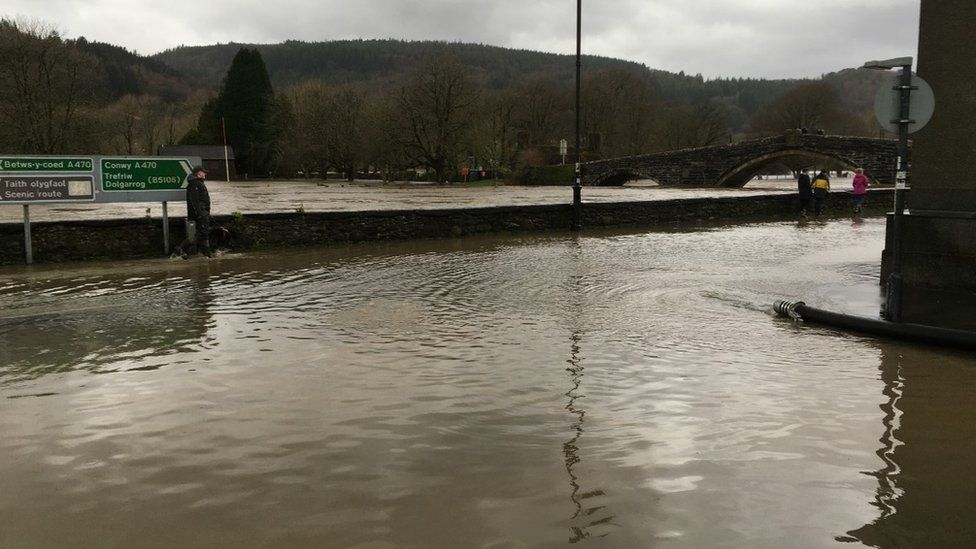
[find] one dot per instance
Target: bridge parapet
(736, 164)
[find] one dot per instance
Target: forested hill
(125, 73)
(385, 62)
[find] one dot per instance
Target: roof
(205, 152)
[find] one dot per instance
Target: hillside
(125, 73)
(380, 63)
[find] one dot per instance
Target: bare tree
(344, 131)
(326, 130)
(43, 80)
(433, 121)
(621, 107)
(543, 108)
(690, 126)
(308, 140)
(495, 130)
(812, 106)
(382, 148)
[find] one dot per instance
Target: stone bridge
(735, 165)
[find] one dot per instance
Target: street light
(577, 184)
(893, 295)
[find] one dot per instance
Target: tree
(495, 131)
(246, 103)
(543, 108)
(327, 127)
(433, 121)
(245, 107)
(43, 82)
(382, 148)
(344, 129)
(135, 124)
(622, 108)
(307, 141)
(690, 126)
(812, 106)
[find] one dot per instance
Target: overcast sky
(757, 38)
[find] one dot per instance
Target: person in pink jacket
(860, 184)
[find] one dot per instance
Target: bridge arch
(620, 177)
(740, 175)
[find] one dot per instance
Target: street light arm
(888, 64)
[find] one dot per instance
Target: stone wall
(735, 165)
(140, 238)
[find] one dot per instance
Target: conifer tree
(244, 106)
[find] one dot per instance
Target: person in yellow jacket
(821, 186)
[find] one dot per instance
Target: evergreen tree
(245, 107)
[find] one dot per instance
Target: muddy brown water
(617, 389)
(311, 196)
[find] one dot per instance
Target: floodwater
(614, 389)
(250, 197)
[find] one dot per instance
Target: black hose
(798, 310)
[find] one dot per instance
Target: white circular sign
(887, 104)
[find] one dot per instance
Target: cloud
(748, 38)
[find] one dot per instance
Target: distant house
(212, 156)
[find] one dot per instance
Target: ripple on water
(517, 391)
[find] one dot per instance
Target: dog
(218, 238)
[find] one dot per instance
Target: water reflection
(589, 513)
(927, 484)
(590, 516)
(55, 324)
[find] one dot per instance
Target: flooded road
(288, 196)
(619, 389)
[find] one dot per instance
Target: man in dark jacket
(198, 210)
(804, 190)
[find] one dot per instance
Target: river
(263, 196)
(622, 389)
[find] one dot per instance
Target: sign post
(28, 247)
(165, 228)
(49, 180)
(28, 180)
(905, 105)
(147, 175)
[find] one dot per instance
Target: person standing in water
(804, 191)
(821, 186)
(198, 212)
(860, 185)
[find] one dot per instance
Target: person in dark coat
(198, 212)
(804, 190)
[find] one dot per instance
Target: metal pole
(165, 228)
(28, 251)
(223, 128)
(894, 290)
(577, 184)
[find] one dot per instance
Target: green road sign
(26, 164)
(144, 174)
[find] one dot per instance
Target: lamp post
(893, 293)
(577, 182)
